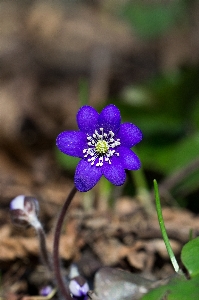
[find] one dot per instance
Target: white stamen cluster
(101, 146)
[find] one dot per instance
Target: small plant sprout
(163, 230)
(24, 211)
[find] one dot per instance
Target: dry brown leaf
(11, 248)
(158, 246)
(137, 259)
(110, 251)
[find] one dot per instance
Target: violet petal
(129, 159)
(129, 135)
(78, 290)
(86, 176)
(110, 119)
(87, 118)
(114, 172)
(72, 143)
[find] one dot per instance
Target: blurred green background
(164, 102)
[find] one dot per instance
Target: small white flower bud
(24, 211)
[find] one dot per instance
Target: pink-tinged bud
(24, 211)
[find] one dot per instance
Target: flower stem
(163, 229)
(56, 262)
(43, 249)
(142, 191)
(105, 189)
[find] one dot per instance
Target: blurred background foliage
(153, 18)
(165, 105)
(140, 55)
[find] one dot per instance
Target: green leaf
(163, 228)
(195, 112)
(189, 257)
(177, 289)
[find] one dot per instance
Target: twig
(171, 181)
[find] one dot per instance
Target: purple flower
(103, 144)
(79, 287)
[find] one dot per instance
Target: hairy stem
(56, 262)
(43, 249)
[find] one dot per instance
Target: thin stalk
(43, 249)
(163, 229)
(56, 262)
(104, 200)
(142, 191)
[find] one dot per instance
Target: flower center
(101, 147)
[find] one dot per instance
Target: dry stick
(56, 262)
(178, 176)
